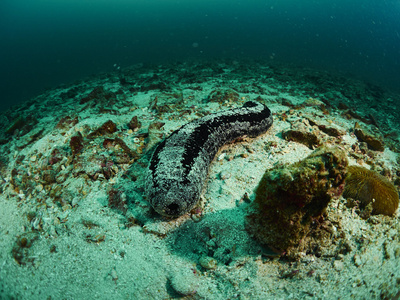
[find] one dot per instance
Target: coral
(370, 187)
(290, 198)
(76, 143)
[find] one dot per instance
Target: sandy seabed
(75, 223)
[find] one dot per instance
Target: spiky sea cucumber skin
(179, 165)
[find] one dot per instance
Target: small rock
(338, 265)
(134, 124)
(48, 177)
(313, 102)
(208, 262)
(304, 134)
(373, 141)
(225, 175)
(357, 260)
(185, 283)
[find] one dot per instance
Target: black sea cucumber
(179, 165)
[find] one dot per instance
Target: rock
(338, 265)
(290, 197)
(303, 133)
(208, 262)
(373, 141)
(185, 282)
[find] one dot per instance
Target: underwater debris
(155, 134)
(76, 143)
(290, 197)
(124, 147)
(370, 187)
(372, 140)
(97, 239)
(21, 125)
(48, 177)
(33, 138)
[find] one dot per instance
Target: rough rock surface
(291, 199)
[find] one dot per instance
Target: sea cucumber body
(179, 165)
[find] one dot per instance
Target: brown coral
(370, 187)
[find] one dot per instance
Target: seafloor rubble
(72, 166)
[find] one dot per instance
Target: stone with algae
(290, 198)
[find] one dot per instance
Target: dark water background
(44, 43)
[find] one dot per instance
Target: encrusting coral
(290, 198)
(370, 187)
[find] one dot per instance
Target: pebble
(338, 265)
(33, 158)
(75, 201)
(225, 175)
(208, 262)
(357, 260)
(39, 188)
(221, 157)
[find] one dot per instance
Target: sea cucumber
(179, 165)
